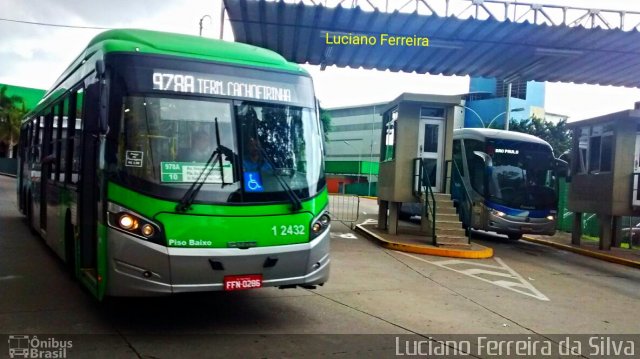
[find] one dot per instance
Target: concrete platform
(562, 240)
(408, 240)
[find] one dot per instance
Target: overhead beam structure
(534, 44)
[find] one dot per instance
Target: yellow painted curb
(585, 252)
(486, 252)
(368, 197)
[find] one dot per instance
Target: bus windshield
(522, 178)
(167, 141)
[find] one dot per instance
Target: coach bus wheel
(515, 236)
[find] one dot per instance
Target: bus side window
(477, 174)
(37, 143)
(475, 163)
(64, 139)
(76, 122)
(55, 140)
(46, 139)
(26, 144)
(457, 156)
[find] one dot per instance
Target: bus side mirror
(100, 68)
(485, 157)
(562, 169)
(101, 75)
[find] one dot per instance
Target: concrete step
(450, 231)
(445, 210)
(442, 196)
(447, 217)
(455, 224)
(453, 241)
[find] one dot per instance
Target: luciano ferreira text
(606, 346)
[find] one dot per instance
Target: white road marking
(343, 235)
(520, 285)
(370, 221)
(522, 280)
(7, 277)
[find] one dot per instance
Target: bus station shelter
(507, 49)
(605, 170)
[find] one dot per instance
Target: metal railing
(344, 208)
(422, 178)
(465, 206)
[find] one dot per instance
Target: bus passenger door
(88, 186)
(430, 149)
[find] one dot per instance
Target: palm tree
(12, 110)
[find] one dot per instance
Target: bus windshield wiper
(216, 155)
(296, 204)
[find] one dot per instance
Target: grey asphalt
(371, 291)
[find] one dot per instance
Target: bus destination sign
(224, 86)
(179, 172)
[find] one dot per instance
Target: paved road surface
(526, 289)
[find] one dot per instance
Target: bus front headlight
(498, 213)
(320, 224)
(127, 222)
(551, 218)
(130, 222)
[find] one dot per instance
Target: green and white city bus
(162, 163)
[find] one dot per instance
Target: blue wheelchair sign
(253, 182)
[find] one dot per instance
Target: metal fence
(344, 208)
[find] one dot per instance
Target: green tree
(558, 135)
(12, 110)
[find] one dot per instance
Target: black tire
(515, 236)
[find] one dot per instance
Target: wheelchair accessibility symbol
(252, 182)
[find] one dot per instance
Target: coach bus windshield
(165, 142)
(522, 178)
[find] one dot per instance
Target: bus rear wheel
(515, 236)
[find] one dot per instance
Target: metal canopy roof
(488, 48)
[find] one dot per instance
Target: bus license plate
(242, 282)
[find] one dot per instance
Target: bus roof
(196, 47)
(171, 44)
(484, 133)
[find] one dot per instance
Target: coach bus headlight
(551, 218)
(498, 213)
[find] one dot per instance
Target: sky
(34, 56)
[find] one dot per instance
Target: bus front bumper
(512, 224)
(141, 268)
